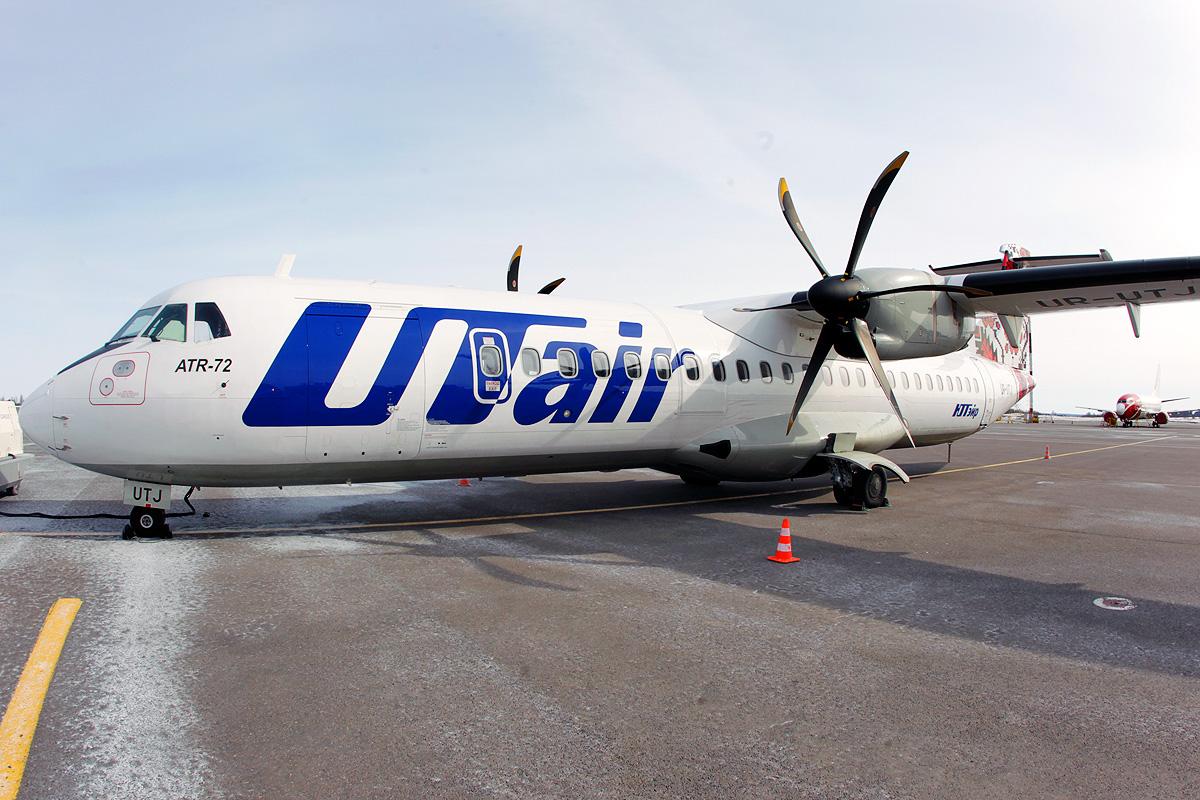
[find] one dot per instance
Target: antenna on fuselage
(284, 268)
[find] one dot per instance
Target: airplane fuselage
(330, 381)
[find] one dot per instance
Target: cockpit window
(137, 323)
(170, 324)
(210, 323)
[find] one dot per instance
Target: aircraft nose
(35, 415)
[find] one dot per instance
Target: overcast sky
(632, 147)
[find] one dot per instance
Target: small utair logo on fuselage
(966, 410)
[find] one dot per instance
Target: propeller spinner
(844, 300)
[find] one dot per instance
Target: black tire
(127, 534)
(875, 487)
(147, 521)
(844, 497)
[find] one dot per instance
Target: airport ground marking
(1042, 458)
(21, 718)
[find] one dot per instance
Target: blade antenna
(793, 221)
(874, 198)
(863, 334)
(551, 286)
(514, 268)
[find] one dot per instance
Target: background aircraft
(1131, 407)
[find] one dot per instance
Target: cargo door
(366, 387)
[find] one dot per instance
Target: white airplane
(1131, 407)
(265, 381)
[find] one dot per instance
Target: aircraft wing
(1037, 290)
(1092, 408)
(1173, 399)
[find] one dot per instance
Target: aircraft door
(491, 362)
(988, 402)
(366, 399)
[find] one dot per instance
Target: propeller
(843, 300)
(514, 269)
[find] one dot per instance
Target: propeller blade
(829, 332)
(793, 221)
(863, 334)
(514, 267)
(874, 198)
(967, 290)
(551, 286)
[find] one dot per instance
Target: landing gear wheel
(874, 484)
(844, 497)
(148, 522)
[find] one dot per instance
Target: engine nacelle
(914, 324)
(1110, 419)
(1161, 418)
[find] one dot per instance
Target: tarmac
(623, 635)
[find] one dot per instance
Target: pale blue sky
(632, 147)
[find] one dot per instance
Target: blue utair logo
(293, 392)
(966, 410)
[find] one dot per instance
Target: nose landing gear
(147, 522)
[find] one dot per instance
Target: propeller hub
(837, 298)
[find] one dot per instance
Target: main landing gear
(147, 522)
(858, 488)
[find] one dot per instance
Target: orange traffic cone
(783, 550)
(464, 482)
(1047, 456)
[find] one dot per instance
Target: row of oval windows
(491, 362)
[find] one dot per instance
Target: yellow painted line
(21, 718)
(1040, 458)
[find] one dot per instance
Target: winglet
(284, 268)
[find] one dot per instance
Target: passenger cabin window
(210, 323)
(976, 382)
(718, 369)
(891, 379)
(764, 369)
(844, 374)
(691, 367)
(662, 367)
(170, 324)
(568, 364)
(633, 366)
(827, 374)
(917, 380)
(531, 362)
(940, 387)
(491, 361)
(743, 370)
(904, 377)
(862, 379)
(600, 364)
(788, 375)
